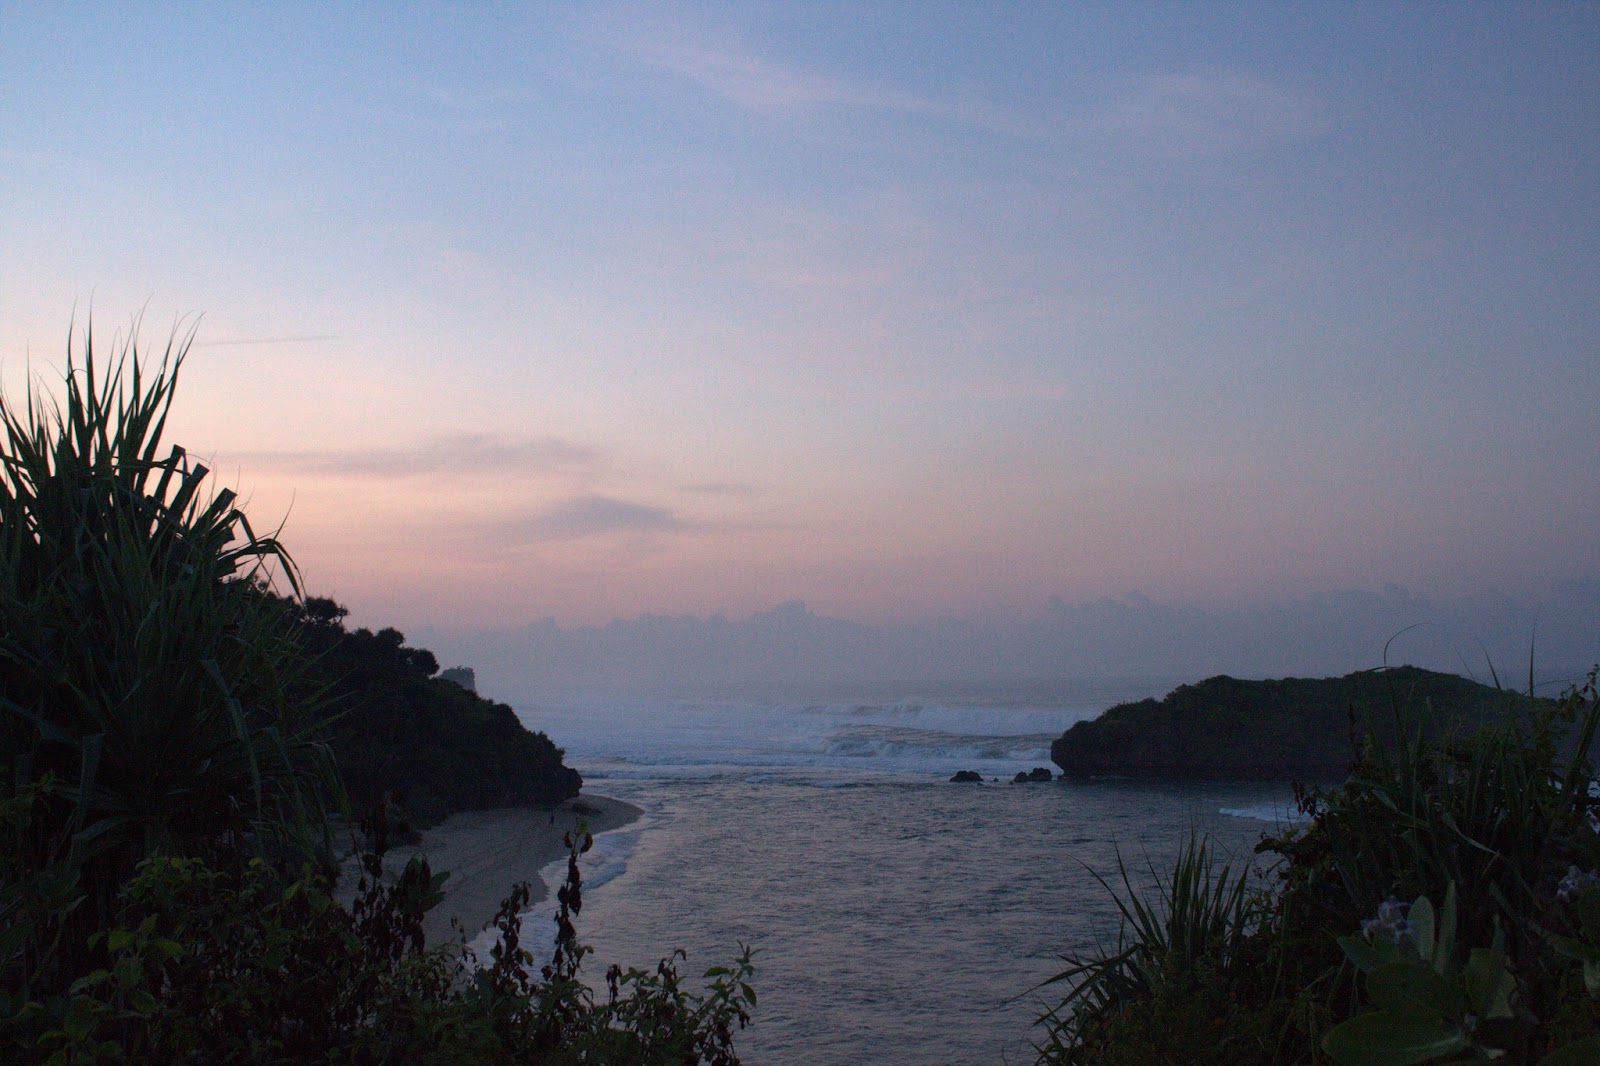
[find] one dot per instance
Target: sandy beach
(487, 852)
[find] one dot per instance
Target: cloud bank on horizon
(792, 652)
(907, 312)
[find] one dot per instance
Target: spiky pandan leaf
(1490, 986)
(140, 660)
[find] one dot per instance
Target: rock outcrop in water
(1301, 728)
(967, 776)
(1038, 773)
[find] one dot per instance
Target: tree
(148, 687)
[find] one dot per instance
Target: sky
(905, 311)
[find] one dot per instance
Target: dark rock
(1021, 778)
(968, 775)
(1294, 728)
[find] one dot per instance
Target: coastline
(486, 852)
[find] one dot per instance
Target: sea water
(897, 917)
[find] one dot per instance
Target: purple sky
(905, 311)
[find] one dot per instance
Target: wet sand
(487, 852)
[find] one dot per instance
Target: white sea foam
(636, 739)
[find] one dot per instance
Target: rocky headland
(1225, 728)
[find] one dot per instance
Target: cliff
(1224, 728)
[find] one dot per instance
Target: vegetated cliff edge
(1224, 728)
(401, 734)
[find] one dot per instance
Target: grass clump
(1168, 987)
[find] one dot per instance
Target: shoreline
(486, 852)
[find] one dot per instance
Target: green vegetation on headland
(172, 735)
(1306, 729)
(404, 736)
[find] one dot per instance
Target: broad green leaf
(1566, 945)
(80, 1018)
(1360, 952)
(1414, 990)
(130, 974)
(1385, 1039)
(1490, 985)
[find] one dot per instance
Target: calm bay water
(897, 917)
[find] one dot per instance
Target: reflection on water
(898, 918)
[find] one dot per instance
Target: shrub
(256, 964)
(1182, 979)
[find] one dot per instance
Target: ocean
(897, 917)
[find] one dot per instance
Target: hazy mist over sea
(790, 647)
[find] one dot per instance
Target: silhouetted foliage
(148, 686)
(1289, 728)
(259, 963)
(402, 735)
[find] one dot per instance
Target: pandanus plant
(148, 679)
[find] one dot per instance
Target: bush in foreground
(257, 964)
(151, 695)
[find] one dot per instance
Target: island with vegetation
(1304, 729)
